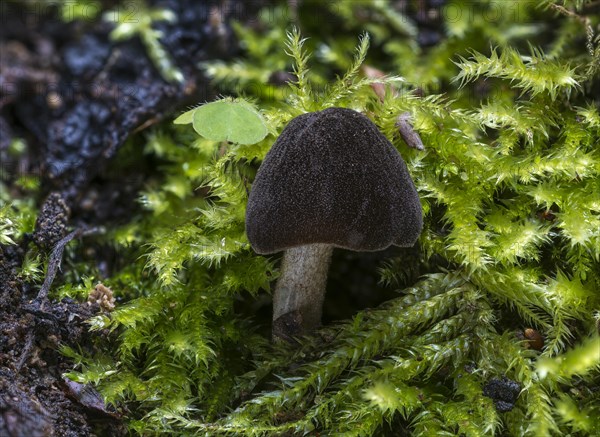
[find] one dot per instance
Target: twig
(56, 258)
(26, 349)
(53, 266)
(566, 11)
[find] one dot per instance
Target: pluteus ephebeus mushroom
(331, 179)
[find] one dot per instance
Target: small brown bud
(534, 338)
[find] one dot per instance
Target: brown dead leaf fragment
(374, 73)
(407, 132)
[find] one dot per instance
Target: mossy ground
(505, 98)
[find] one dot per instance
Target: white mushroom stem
(300, 290)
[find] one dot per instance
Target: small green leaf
(185, 118)
(226, 120)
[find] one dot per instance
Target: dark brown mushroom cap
(331, 177)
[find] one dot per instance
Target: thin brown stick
(26, 349)
(53, 266)
(56, 259)
(54, 263)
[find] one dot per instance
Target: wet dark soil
(75, 97)
(35, 399)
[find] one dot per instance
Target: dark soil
(35, 399)
(504, 392)
(75, 97)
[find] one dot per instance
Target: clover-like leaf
(226, 120)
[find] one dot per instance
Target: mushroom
(330, 180)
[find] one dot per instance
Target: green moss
(509, 183)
